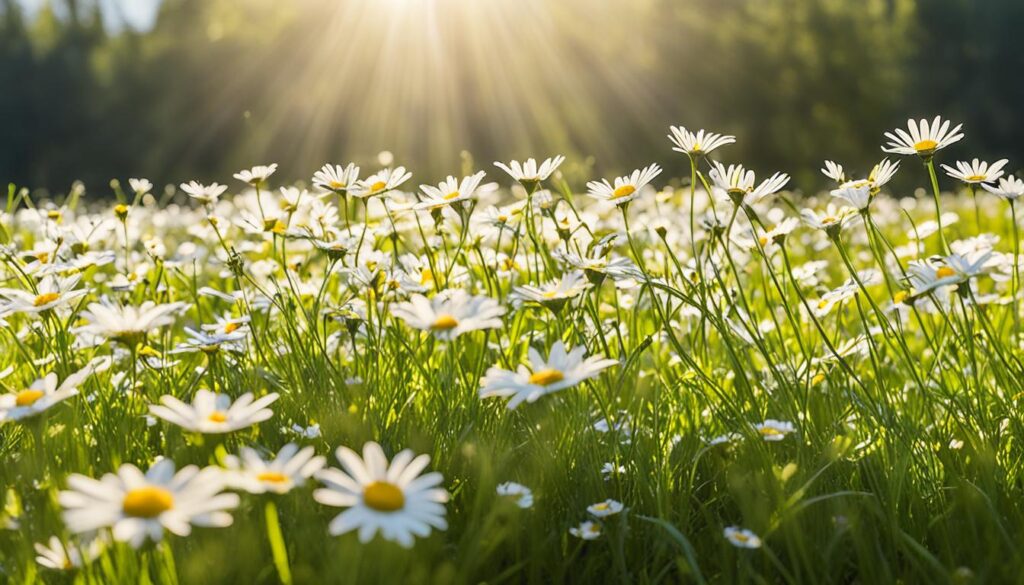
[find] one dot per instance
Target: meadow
(686, 375)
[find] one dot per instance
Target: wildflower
(625, 189)
(208, 195)
(128, 323)
(738, 183)
(555, 293)
(256, 175)
(391, 498)
(563, 369)
(212, 413)
(774, 430)
(528, 173)
(1009, 188)
(858, 196)
(380, 183)
(138, 506)
(741, 537)
(698, 144)
(831, 221)
(834, 297)
(50, 293)
(448, 316)
(923, 139)
(289, 469)
(43, 394)
(610, 469)
(976, 172)
(604, 509)
(336, 178)
(140, 186)
(587, 530)
(834, 171)
(59, 556)
(449, 192)
(518, 493)
(939, 271)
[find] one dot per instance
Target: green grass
(905, 465)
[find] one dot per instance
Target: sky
(137, 14)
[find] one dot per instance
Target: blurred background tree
(211, 86)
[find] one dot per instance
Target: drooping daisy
(380, 183)
(923, 139)
(519, 493)
(1009, 188)
(528, 173)
(208, 195)
(774, 430)
(337, 178)
(51, 292)
(562, 369)
(138, 506)
(128, 323)
(43, 394)
(449, 192)
(448, 316)
(698, 144)
(976, 171)
(212, 413)
(256, 175)
(741, 537)
(391, 498)
(587, 530)
(625, 189)
(604, 509)
(289, 469)
(738, 183)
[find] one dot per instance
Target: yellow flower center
(28, 397)
(944, 272)
(822, 303)
(272, 477)
(336, 185)
(503, 218)
(147, 502)
(925, 145)
(550, 294)
(601, 507)
(817, 379)
(43, 257)
(763, 240)
(46, 298)
(740, 537)
(217, 416)
(426, 276)
(445, 323)
(623, 191)
(379, 185)
(383, 496)
(231, 327)
(452, 195)
(900, 296)
(546, 377)
(976, 178)
(769, 431)
(594, 529)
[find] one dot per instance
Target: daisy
(128, 323)
(59, 556)
(587, 530)
(555, 293)
(518, 493)
(528, 173)
(698, 144)
(448, 316)
(774, 430)
(382, 182)
(43, 394)
(738, 183)
(449, 191)
(289, 469)
(976, 171)
(834, 171)
(208, 195)
(50, 293)
(1009, 188)
(923, 139)
(336, 178)
(625, 188)
(140, 186)
(741, 537)
(256, 175)
(604, 509)
(831, 221)
(927, 275)
(392, 498)
(563, 369)
(138, 506)
(857, 195)
(212, 413)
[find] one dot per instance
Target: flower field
(682, 375)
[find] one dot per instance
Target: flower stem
(277, 545)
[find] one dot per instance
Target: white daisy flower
(939, 271)
(289, 469)
(128, 322)
(1009, 188)
(43, 394)
(604, 509)
(380, 183)
(138, 506)
(212, 413)
(256, 175)
(587, 530)
(858, 194)
(562, 369)
(976, 171)
(448, 316)
(741, 537)
(738, 183)
(774, 430)
(556, 292)
(59, 556)
(391, 498)
(698, 144)
(51, 292)
(140, 186)
(449, 191)
(519, 493)
(923, 139)
(208, 195)
(625, 189)
(831, 221)
(834, 171)
(528, 173)
(336, 178)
